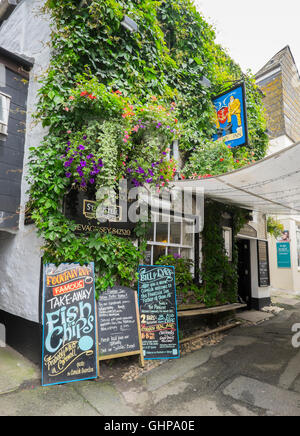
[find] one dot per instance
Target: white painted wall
(25, 33)
(279, 144)
(286, 278)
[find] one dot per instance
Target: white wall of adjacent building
(25, 33)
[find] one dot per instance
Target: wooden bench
(185, 311)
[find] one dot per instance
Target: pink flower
(66, 109)
(72, 97)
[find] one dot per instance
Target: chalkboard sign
(158, 311)
(119, 331)
(69, 324)
(263, 264)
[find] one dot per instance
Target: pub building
(175, 230)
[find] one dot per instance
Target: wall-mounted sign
(158, 311)
(119, 332)
(80, 206)
(284, 255)
(69, 324)
(263, 263)
(231, 117)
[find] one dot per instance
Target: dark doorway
(244, 271)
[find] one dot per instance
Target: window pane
(174, 251)
(175, 232)
(188, 234)
(162, 232)
(186, 253)
(150, 232)
(158, 251)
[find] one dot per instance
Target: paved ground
(254, 371)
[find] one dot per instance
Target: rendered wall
(25, 33)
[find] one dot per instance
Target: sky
(253, 31)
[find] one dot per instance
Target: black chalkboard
(158, 311)
(69, 324)
(263, 263)
(118, 324)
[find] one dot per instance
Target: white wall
(25, 33)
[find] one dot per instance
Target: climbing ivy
(220, 277)
(156, 71)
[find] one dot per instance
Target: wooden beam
(211, 310)
(210, 332)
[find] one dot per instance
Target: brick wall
(291, 97)
(273, 103)
(281, 95)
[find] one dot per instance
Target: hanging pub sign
(119, 332)
(69, 324)
(231, 117)
(80, 206)
(158, 312)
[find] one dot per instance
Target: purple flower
(149, 180)
(83, 163)
(81, 147)
(68, 175)
(83, 183)
(92, 181)
(84, 137)
(140, 170)
(67, 164)
(90, 156)
(164, 153)
(151, 173)
(176, 256)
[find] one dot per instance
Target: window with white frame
(170, 235)
(4, 113)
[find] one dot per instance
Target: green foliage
(183, 275)
(274, 227)
(220, 276)
(121, 75)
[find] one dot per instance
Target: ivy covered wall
(114, 100)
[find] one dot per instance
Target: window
(170, 235)
(298, 244)
(4, 113)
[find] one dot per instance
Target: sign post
(158, 311)
(69, 324)
(119, 332)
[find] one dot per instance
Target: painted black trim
(25, 63)
(24, 336)
(260, 303)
